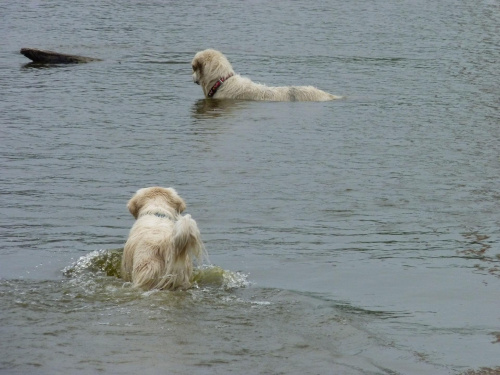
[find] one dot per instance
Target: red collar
(215, 87)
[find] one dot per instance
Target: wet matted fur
(212, 69)
(162, 243)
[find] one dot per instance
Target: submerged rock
(50, 57)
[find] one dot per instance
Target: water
(351, 237)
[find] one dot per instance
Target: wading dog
(162, 243)
(213, 72)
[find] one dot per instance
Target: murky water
(351, 237)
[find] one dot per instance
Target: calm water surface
(358, 236)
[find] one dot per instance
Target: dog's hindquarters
(143, 263)
(159, 253)
(149, 272)
(186, 247)
(162, 259)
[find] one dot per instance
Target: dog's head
(155, 196)
(208, 67)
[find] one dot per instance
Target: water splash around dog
(104, 263)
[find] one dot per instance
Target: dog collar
(215, 87)
(160, 215)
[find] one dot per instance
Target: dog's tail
(187, 239)
(187, 246)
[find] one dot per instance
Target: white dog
(162, 244)
(214, 73)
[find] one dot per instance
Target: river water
(358, 236)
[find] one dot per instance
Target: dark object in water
(49, 57)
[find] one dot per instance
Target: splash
(100, 262)
(210, 275)
(107, 263)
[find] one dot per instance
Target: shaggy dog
(162, 244)
(214, 73)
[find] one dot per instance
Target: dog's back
(238, 87)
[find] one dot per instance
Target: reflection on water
(480, 248)
(33, 65)
(216, 107)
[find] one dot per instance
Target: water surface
(356, 237)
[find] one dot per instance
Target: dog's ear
(181, 206)
(175, 200)
(134, 204)
(197, 66)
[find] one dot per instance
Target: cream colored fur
(162, 243)
(210, 65)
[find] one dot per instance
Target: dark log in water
(49, 57)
